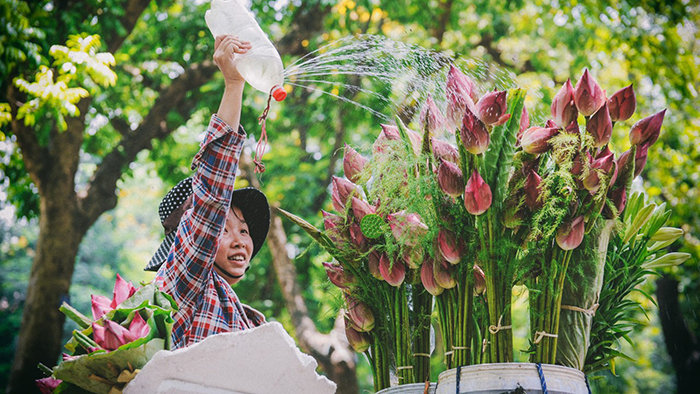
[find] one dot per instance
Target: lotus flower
(445, 274)
(359, 314)
(533, 189)
(407, 227)
(588, 95)
(353, 163)
(572, 128)
(536, 139)
(122, 291)
(570, 235)
(112, 335)
(431, 118)
(474, 135)
(341, 191)
(360, 341)
(338, 276)
(448, 245)
(450, 179)
(413, 257)
(357, 237)
(619, 199)
(393, 274)
(333, 224)
(477, 195)
(416, 141)
(444, 150)
(373, 265)
(388, 133)
(622, 104)
(604, 163)
(460, 96)
(47, 385)
(563, 107)
(479, 280)
(640, 159)
(647, 130)
(427, 277)
(524, 124)
(625, 167)
(492, 108)
(600, 126)
(360, 208)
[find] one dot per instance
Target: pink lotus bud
(572, 128)
(341, 191)
(450, 179)
(360, 341)
(353, 163)
(588, 95)
(570, 235)
(138, 328)
(338, 276)
(47, 385)
(100, 306)
(479, 280)
(416, 141)
(563, 108)
(535, 139)
(357, 237)
(111, 335)
(619, 199)
(533, 189)
(474, 135)
(407, 227)
(360, 208)
(477, 195)
(359, 314)
(524, 125)
(333, 224)
(122, 291)
(427, 277)
(373, 265)
(647, 130)
(604, 164)
(492, 108)
(444, 150)
(393, 274)
(624, 167)
(622, 104)
(413, 257)
(449, 246)
(445, 274)
(550, 124)
(460, 96)
(600, 126)
(388, 133)
(431, 118)
(640, 158)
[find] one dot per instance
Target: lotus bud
(619, 199)
(431, 118)
(563, 107)
(477, 195)
(578, 162)
(450, 179)
(353, 163)
(604, 164)
(341, 191)
(338, 276)
(533, 189)
(388, 133)
(413, 257)
(588, 95)
(535, 139)
(393, 274)
(359, 314)
(600, 126)
(360, 208)
(572, 128)
(357, 237)
(360, 341)
(479, 280)
(333, 224)
(373, 265)
(111, 335)
(640, 159)
(647, 130)
(408, 227)
(550, 124)
(427, 277)
(474, 135)
(47, 385)
(449, 246)
(122, 291)
(100, 306)
(622, 104)
(492, 108)
(524, 125)
(570, 235)
(138, 328)
(445, 151)
(416, 141)
(445, 274)
(460, 96)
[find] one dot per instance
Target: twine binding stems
(421, 355)
(495, 329)
(590, 311)
(540, 334)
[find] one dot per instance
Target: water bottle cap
(279, 93)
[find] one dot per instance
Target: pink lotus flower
(640, 158)
(479, 280)
(533, 189)
(445, 274)
(460, 96)
(47, 385)
(333, 224)
(477, 195)
(572, 128)
(353, 163)
(427, 277)
(360, 208)
(536, 139)
(431, 118)
(357, 237)
(388, 133)
(360, 341)
(588, 95)
(393, 274)
(122, 291)
(338, 276)
(622, 104)
(341, 191)
(359, 314)
(492, 108)
(373, 264)
(524, 125)
(563, 107)
(448, 246)
(570, 235)
(619, 199)
(473, 134)
(450, 179)
(623, 166)
(413, 257)
(407, 227)
(600, 126)
(647, 130)
(444, 150)
(416, 141)
(605, 163)
(112, 335)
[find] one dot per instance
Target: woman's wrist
(234, 84)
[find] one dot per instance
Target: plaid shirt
(208, 305)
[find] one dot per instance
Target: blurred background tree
(79, 200)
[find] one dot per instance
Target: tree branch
(308, 19)
(487, 42)
(34, 155)
(132, 12)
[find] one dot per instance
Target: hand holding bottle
(225, 49)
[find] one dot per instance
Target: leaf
(315, 233)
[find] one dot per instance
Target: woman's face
(235, 247)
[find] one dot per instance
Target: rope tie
(542, 381)
(590, 311)
(262, 142)
(484, 344)
(540, 334)
(404, 367)
(421, 355)
(449, 353)
(495, 329)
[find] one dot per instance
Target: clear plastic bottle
(261, 66)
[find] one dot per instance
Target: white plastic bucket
(412, 388)
(507, 377)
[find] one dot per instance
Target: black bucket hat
(251, 201)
